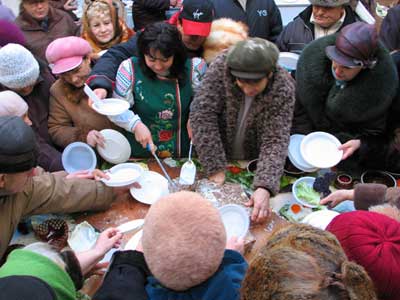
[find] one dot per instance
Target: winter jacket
(70, 117)
(300, 32)
(358, 110)
(224, 284)
(48, 193)
(104, 72)
(148, 11)
(370, 194)
(390, 29)
(262, 16)
(38, 103)
(59, 24)
(214, 115)
(22, 262)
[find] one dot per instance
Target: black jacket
(148, 11)
(300, 32)
(262, 16)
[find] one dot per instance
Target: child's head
(302, 262)
(101, 20)
(69, 58)
(183, 240)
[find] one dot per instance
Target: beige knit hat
(183, 240)
(11, 104)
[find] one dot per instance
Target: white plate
(320, 218)
(295, 156)
(131, 225)
(123, 174)
(236, 220)
(78, 156)
(153, 187)
(320, 149)
(288, 60)
(111, 106)
(117, 149)
(134, 241)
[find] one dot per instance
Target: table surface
(126, 208)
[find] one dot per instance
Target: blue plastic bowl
(78, 156)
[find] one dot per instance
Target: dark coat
(60, 24)
(38, 112)
(390, 29)
(358, 110)
(105, 70)
(300, 32)
(148, 11)
(214, 114)
(262, 16)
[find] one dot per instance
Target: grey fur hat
(330, 3)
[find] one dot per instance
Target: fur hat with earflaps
(183, 240)
(302, 262)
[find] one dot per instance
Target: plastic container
(310, 182)
(78, 156)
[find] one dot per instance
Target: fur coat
(214, 115)
(358, 110)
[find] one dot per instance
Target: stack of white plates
(317, 150)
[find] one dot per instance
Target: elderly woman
(102, 27)
(346, 85)
(303, 262)
(243, 110)
(62, 272)
(159, 86)
(70, 117)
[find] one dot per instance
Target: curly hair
(165, 38)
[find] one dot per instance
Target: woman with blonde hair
(102, 27)
(303, 262)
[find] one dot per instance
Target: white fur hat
(18, 67)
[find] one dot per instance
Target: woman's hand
(108, 239)
(349, 148)
(95, 138)
(218, 178)
(70, 5)
(337, 197)
(100, 93)
(235, 243)
(143, 135)
(260, 200)
(189, 130)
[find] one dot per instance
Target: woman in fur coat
(243, 110)
(346, 85)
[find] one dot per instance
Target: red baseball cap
(196, 17)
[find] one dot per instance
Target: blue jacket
(262, 16)
(223, 285)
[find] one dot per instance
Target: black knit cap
(25, 287)
(18, 148)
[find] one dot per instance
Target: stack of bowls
(295, 156)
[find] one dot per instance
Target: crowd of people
(208, 75)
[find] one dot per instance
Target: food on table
(294, 212)
(306, 193)
(322, 183)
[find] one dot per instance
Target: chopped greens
(307, 193)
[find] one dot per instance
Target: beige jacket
(50, 193)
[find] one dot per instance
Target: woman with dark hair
(159, 86)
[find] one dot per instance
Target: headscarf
(121, 31)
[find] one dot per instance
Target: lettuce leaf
(306, 193)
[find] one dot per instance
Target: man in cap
(321, 18)
(23, 194)
(194, 23)
(243, 110)
(346, 85)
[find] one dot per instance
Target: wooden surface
(125, 208)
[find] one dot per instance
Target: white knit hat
(18, 67)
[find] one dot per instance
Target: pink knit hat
(373, 241)
(66, 54)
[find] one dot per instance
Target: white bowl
(288, 60)
(111, 106)
(123, 174)
(236, 220)
(320, 149)
(117, 149)
(153, 187)
(310, 181)
(78, 156)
